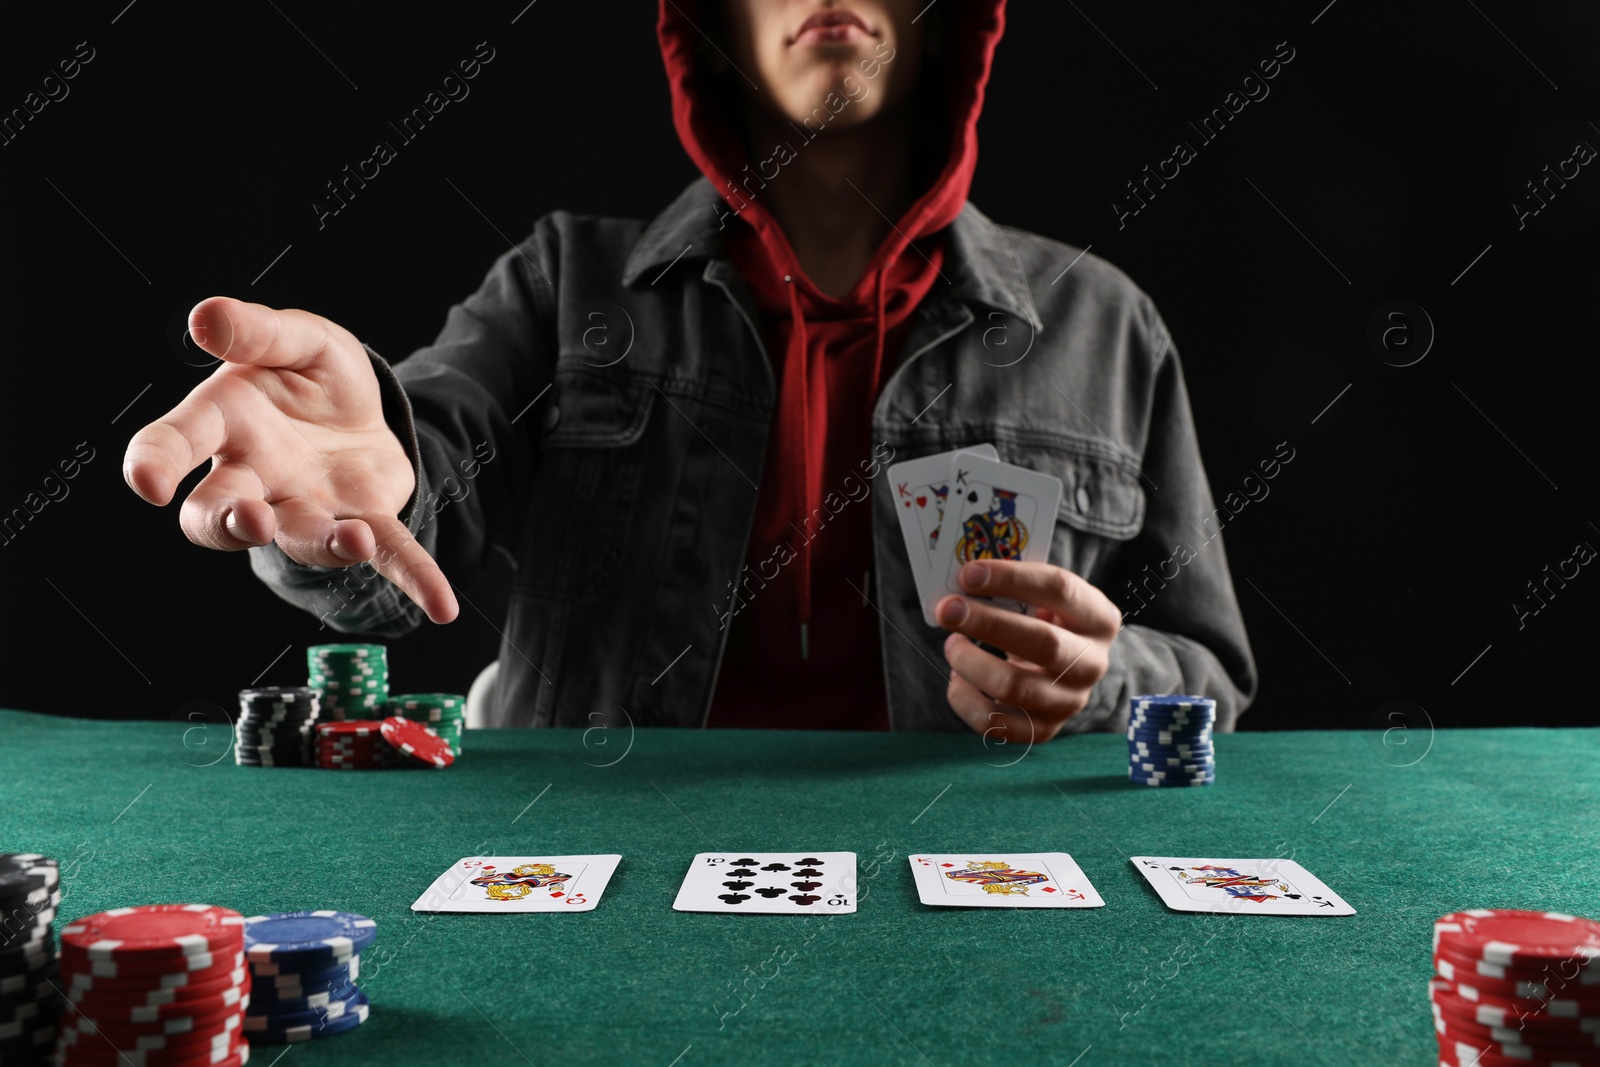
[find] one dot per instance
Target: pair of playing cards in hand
(959, 506)
(810, 883)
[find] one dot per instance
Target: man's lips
(831, 27)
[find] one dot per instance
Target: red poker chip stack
(354, 745)
(155, 984)
(1516, 987)
(380, 744)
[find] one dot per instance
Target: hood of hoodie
(829, 353)
(950, 99)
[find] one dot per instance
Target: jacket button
(552, 415)
(1081, 498)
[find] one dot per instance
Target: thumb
(255, 334)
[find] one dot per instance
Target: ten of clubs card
(1245, 887)
(520, 883)
(781, 883)
(1009, 880)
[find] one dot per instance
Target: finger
(262, 336)
(310, 535)
(1009, 683)
(160, 454)
(228, 511)
(996, 722)
(407, 564)
(1045, 585)
(1057, 651)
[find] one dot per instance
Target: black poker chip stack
(30, 1006)
(276, 726)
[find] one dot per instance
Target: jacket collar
(981, 265)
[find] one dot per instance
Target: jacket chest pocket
(1102, 500)
(578, 518)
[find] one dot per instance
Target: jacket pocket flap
(1100, 490)
(588, 409)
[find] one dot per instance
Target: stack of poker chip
(154, 984)
(1169, 740)
(444, 713)
(355, 745)
(30, 1007)
(352, 680)
(305, 965)
(274, 727)
(1516, 987)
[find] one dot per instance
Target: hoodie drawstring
(797, 372)
(797, 375)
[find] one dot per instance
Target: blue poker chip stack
(303, 971)
(1169, 740)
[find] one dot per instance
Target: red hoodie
(803, 652)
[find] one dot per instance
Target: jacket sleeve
(1182, 630)
(466, 410)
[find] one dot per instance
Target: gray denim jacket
(599, 409)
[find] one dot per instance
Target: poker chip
(30, 1006)
(282, 1018)
(304, 940)
(1170, 740)
(417, 741)
(304, 968)
(308, 1032)
(154, 932)
(1521, 1007)
(352, 680)
(154, 984)
(291, 984)
(138, 1004)
(1516, 986)
(1511, 938)
(1569, 974)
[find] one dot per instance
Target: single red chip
(417, 741)
(152, 932)
(1522, 939)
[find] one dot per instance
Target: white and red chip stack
(154, 984)
(381, 744)
(1516, 988)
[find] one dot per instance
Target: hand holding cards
(965, 505)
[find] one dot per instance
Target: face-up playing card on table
(1245, 887)
(1002, 880)
(995, 511)
(921, 487)
(520, 883)
(782, 883)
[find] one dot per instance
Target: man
(694, 495)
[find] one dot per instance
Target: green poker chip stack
(352, 680)
(445, 713)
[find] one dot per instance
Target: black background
(1384, 561)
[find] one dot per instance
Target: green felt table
(157, 812)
